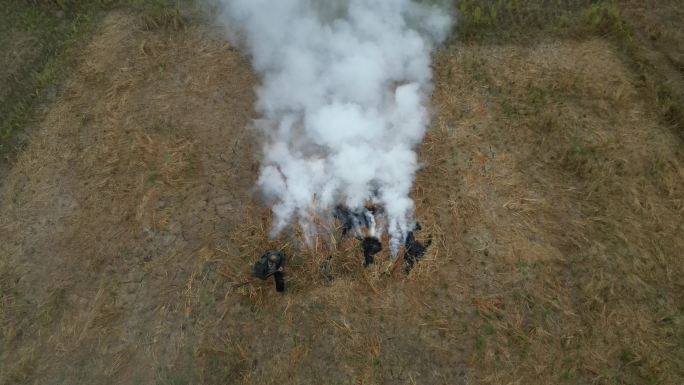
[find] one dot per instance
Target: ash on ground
(366, 225)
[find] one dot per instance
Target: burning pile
(343, 95)
(363, 225)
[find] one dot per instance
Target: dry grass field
(553, 188)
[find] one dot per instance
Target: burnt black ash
(354, 220)
(414, 250)
(370, 246)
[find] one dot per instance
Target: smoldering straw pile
(343, 100)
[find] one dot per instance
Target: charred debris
(362, 224)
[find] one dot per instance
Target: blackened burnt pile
(370, 246)
(415, 250)
(363, 225)
(356, 222)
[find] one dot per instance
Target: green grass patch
(53, 31)
(517, 20)
(500, 21)
(53, 27)
(530, 21)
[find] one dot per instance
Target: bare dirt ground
(554, 196)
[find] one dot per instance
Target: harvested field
(552, 189)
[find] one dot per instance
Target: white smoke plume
(343, 94)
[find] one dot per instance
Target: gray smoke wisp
(344, 87)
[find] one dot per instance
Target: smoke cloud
(343, 95)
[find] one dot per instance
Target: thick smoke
(343, 93)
